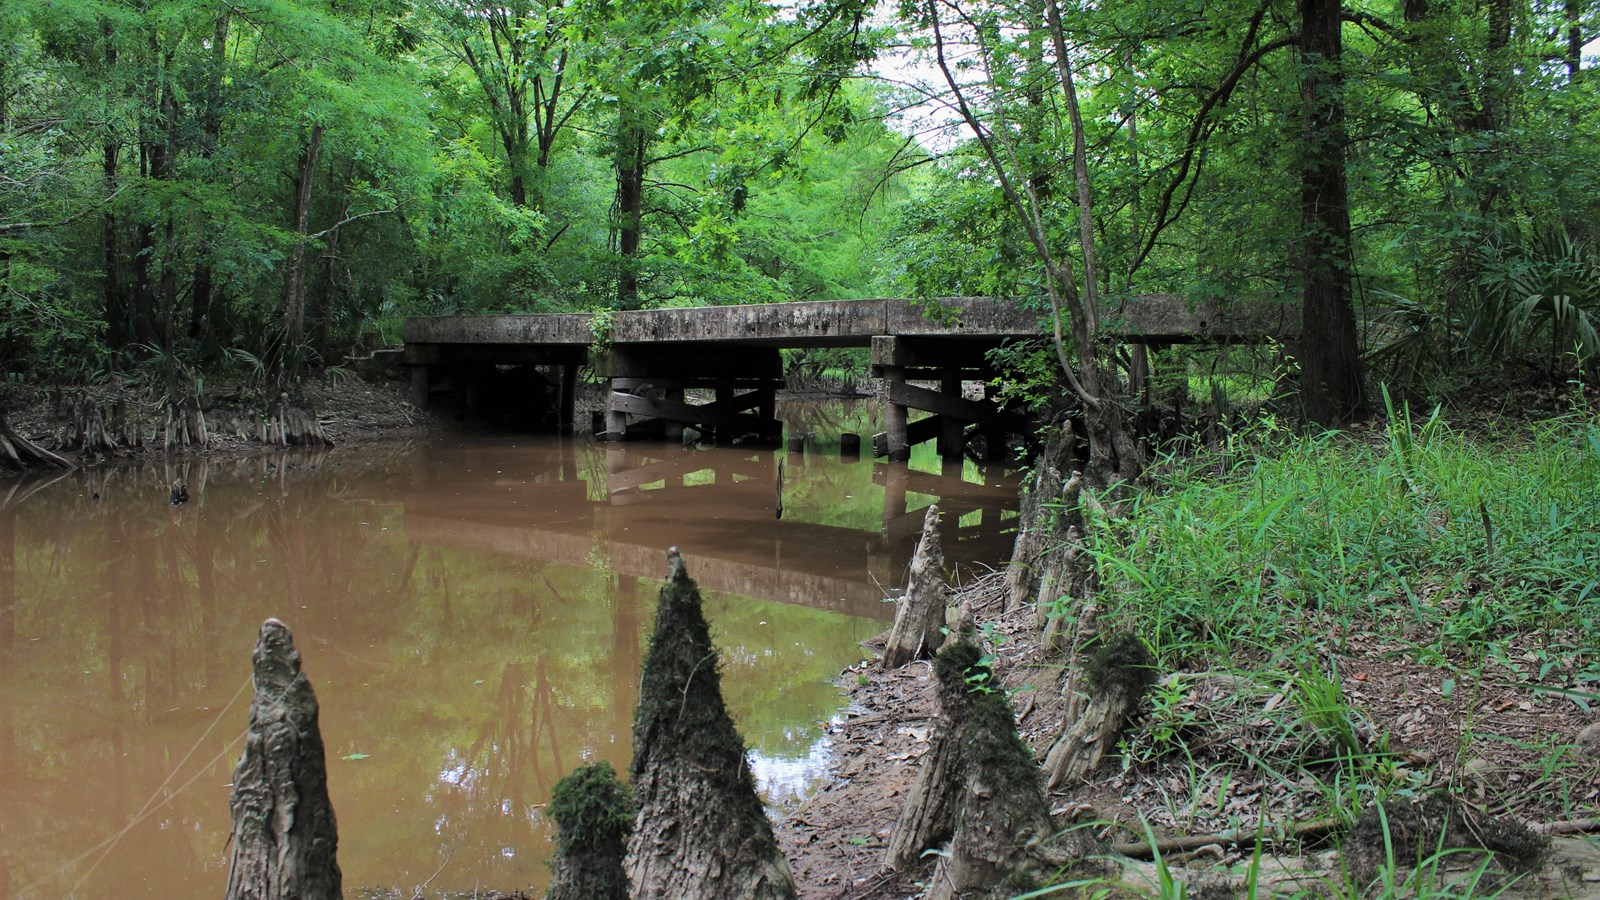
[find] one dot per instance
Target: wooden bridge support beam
(952, 439)
(568, 409)
(651, 382)
(897, 445)
(950, 362)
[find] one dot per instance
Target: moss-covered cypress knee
(593, 813)
(701, 831)
(1003, 834)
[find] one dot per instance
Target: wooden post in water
(569, 395)
(285, 840)
(894, 494)
(674, 428)
(952, 431)
(894, 415)
(616, 419)
(994, 437)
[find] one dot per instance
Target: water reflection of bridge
(621, 508)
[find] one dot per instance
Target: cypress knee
(593, 814)
(920, 616)
(1003, 836)
(285, 841)
(701, 832)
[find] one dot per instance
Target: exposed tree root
(19, 454)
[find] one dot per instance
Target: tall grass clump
(1476, 536)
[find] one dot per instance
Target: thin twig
(417, 895)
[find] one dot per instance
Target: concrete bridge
(650, 358)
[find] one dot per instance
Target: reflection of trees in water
(181, 592)
(8, 576)
(828, 419)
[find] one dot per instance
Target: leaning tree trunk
(701, 831)
(285, 840)
(919, 618)
(17, 453)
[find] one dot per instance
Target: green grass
(1261, 561)
(1473, 538)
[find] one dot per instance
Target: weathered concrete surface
(1149, 318)
(548, 328)
(828, 323)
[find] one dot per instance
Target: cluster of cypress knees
(690, 826)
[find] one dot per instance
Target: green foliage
(469, 161)
(463, 165)
(591, 807)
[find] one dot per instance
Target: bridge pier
(649, 383)
(567, 412)
(950, 362)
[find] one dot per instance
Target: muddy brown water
(471, 612)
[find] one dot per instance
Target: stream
(472, 612)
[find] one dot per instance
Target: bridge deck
(1145, 318)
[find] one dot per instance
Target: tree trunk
(1330, 362)
(1114, 456)
(211, 132)
(285, 839)
(116, 316)
(1573, 10)
(294, 277)
(919, 618)
(155, 144)
(144, 291)
(631, 143)
(701, 831)
(322, 312)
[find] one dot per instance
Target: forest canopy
(199, 182)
